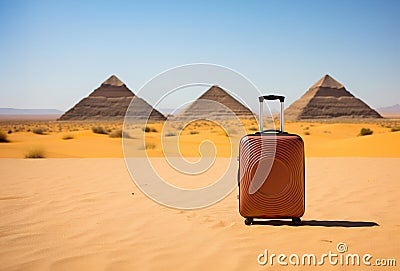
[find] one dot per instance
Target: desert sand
(85, 212)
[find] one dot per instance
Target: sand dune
(80, 214)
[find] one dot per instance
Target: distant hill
(16, 111)
(391, 110)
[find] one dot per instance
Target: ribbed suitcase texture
(277, 172)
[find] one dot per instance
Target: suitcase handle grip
(270, 131)
(271, 97)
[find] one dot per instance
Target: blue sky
(53, 53)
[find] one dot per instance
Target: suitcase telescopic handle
(270, 98)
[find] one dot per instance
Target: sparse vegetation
(170, 134)
(68, 136)
(38, 131)
(99, 130)
(116, 134)
(119, 134)
(150, 146)
(35, 152)
(80, 131)
(149, 129)
(3, 137)
(365, 131)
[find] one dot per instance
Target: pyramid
(327, 99)
(110, 102)
(217, 103)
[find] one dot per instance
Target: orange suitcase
(271, 173)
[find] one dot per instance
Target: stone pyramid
(217, 103)
(329, 99)
(110, 102)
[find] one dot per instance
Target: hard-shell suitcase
(271, 172)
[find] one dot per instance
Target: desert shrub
(9, 132)
(253, 128)
(307, 133)
(68, 136)
(119, 134)
(170, 134)
(116, 134)
(150, 146)
(149, 129)
(395, 129)
(3, 137)
(366, 131)
(38, 131)
(193, 132)
(99, 130)
(35, 152)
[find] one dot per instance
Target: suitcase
(271, 173)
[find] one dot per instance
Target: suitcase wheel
(248, 221)
(296, 221)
